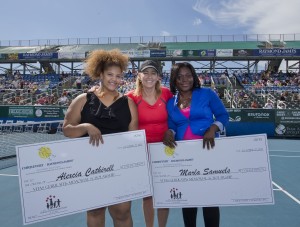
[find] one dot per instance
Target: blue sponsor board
(158, 53)
(207, 53)
(276, 52)
(41, 55)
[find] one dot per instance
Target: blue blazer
(206, 109)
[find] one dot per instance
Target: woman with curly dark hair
(103, 111)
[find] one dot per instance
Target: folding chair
(43, 128)
(7, 127)
(18, 128)
(29, 126)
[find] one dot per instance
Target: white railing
(154, 39)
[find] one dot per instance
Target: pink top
(189, 135)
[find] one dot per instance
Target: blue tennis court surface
(285, 168)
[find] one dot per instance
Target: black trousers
(211, 216)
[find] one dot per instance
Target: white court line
(285, 156)
(9, 175)
(285, 192)
(284, 151)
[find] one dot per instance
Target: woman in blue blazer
(194, 113)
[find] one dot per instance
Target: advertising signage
(42, 55)
(287, 123)
(224, 52)
(190, 53)
(197, 53)
(158, 53)
(207, 53)
(54, 112)
(251, 115)
(137, 53)
(242, 52)
(276, 52)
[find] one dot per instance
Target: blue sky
(58, 19)
(61, 19)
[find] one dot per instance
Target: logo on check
(52, 202)
(175, 194)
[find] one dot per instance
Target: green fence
(275, 123)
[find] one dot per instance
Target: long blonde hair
(139, 87)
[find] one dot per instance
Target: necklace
(102, 95)
(184, 102)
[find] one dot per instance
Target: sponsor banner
(21, 111)
(287, 130)
(207, 53)
(158, 53)
(36, 112)
(197, 53)
(187, 53)
(235, 115)
(259, 115)
(137, 53)
(42, 55)
(287, 123)
(251, 115)
(242, 52)
(276, 52)
(70, 55)
(287, 116)
(48, 112)
(175, 53)
(224, 52)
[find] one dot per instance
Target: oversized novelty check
(69, 176)
(236, 172)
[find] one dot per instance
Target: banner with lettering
(40, 55)
(276, 52)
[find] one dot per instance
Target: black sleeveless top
(112, 119)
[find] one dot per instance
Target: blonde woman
(151, 100)
(103, 111)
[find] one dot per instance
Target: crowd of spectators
(268, 79)
(271, 90)
(48, 89)
(60, 89)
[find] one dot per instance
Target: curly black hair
(174, 74)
